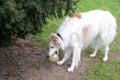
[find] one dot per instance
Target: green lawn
(97, 70)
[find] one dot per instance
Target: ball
(54, 58)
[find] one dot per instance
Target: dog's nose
(47, 56)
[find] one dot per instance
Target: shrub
(21, 17)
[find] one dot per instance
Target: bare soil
(25, 61)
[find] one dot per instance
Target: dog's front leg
(66, 56)
(76, 58)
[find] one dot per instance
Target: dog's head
(55, 44)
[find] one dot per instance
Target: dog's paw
(70, 69)
(92, 55)
(105, 59)
(60, 62)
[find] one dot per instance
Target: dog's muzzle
(49, 56)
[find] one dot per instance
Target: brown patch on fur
(85, 32)
(78, 15)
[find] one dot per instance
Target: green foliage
(20, 17)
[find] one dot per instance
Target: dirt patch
(41, 69)
(25, 61)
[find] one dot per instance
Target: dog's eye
(51, 47)
(56, 52)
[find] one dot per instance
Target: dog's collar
(59, 36)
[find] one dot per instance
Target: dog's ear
(60, 43)
(56, 42)
(55, 39)
(53, 36)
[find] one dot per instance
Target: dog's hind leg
(66, 56)
(107, 37)
(96, 44)
(95, 52)
(106, 53)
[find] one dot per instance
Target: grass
(104, 71)
(97, 70)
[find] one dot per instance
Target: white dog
(78, 31)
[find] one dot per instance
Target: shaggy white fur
(78, 31)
